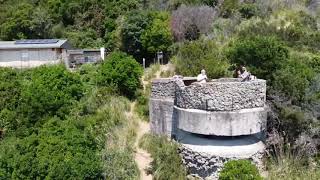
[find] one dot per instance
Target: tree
(18, 23)
(157, 37)
(188, 21)
(134, 26)
(260, 54)
(201, 54)
(121, 71)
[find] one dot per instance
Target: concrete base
(222, 123)
(204, 156)
(161, 117)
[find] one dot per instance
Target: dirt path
(142, 157)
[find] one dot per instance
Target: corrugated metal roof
(14, 45)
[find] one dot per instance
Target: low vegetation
(239, 169)
(166, 164)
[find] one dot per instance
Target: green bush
(239, 170)
(293, 123)
(299, 73)
(143, 105)
(49, 91)
(248, 10)
(229, 7)
(10, 88)
(133, 27)
(167, 163)
(263, 55)
(202, 54)
(121, 71)
(58, 151)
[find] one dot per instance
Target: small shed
(32, 53)
(78, 57)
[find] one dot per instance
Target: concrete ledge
(222, 123)
(232, 147)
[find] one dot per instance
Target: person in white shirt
(202, 78)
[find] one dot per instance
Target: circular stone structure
(226, 94)
(214, 122)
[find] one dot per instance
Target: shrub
(299, 74)
(239, 169)
(290, 169)
(248, 10)
(196, 55)
(229, 7)
(167, 163)
(58, 151)
(49, 91)
(260, 54)
(143, 105)
(10, 88)
(121, 71)
(293, 123)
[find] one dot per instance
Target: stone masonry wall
(162, 120)
(163, 88)
(222, 95)
(204, 166)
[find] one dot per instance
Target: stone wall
(163, 88)
(222, 95)
(205, 166)
(162, 121)
(161, 117)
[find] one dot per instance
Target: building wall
(29, 57)
(76, 59)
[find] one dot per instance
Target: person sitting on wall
(244, 74)
(202, 77)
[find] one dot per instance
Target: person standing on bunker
(202, 77)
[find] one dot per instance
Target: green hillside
(57, 124)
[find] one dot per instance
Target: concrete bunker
(214, 122)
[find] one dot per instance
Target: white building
(32, 53)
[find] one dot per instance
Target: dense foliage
(260, 54)
(57, 124)
(277, 40)
(121, 71)
(202, 54)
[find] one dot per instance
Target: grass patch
(150, 72)
(167, 163)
